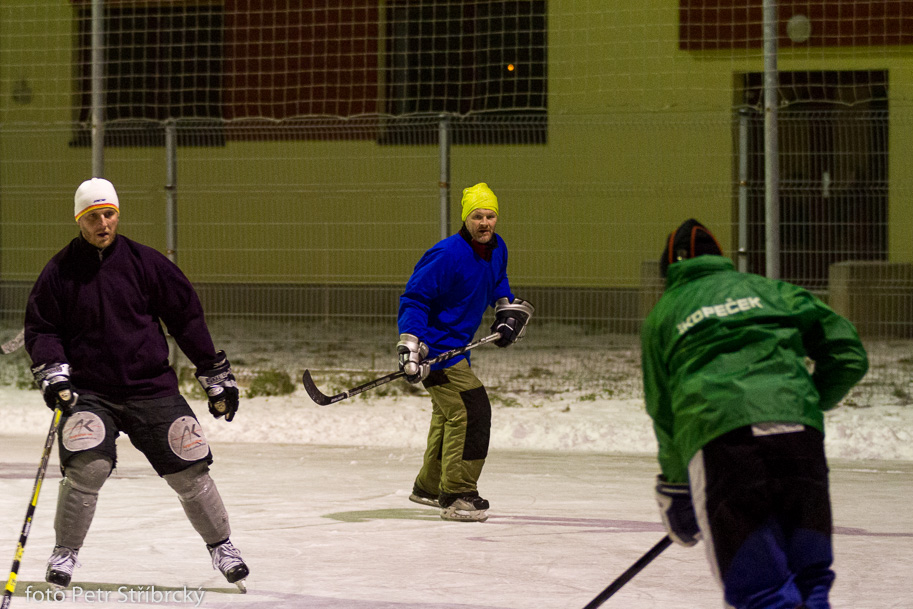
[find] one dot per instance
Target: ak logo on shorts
(82, 431)
(185, 436)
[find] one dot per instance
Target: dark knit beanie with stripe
(689, 240)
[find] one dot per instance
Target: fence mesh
(310, 167)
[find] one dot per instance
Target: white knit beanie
(93, 194)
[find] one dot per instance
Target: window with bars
(482, 63)
(833, 162)
(243, 69)
(160, 62)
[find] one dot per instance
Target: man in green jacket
(738, 371)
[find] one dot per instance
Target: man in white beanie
(450, 289)
(93, 329)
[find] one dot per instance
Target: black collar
(87, 249)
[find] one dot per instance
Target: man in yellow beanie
(476, 197)
(450, 289)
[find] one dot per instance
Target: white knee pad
(201, 502)
(83, 477)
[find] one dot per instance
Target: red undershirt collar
(482, 250)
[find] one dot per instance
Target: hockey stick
(324, 400)
(27, 525)
(633, 570)
(14, 344)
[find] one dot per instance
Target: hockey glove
(677, 512)
(511, 318)
(412, 352)
(54, 382)
(220, 386)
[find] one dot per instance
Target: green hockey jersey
(723, 349)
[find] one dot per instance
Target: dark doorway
(833, 146)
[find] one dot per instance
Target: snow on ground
(327, 527)
(565, 388)
(597, 425)
(318, 494)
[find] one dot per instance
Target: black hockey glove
(54, 382)
(511, 318)
(411, 352)
(677, 511)
(220, 386)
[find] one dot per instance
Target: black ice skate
(227, 559)
(60, 566)
(422, 497)
(467, 507)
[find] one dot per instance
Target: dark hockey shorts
(764, 506)
(163, 429)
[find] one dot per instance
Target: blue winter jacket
(449, 291)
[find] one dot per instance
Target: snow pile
(563, 424)
(565, 389)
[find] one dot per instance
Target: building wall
(640, 137)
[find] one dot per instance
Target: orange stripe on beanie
(97, 193)
(689, 240)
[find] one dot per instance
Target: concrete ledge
(876, 296)
(652, 286)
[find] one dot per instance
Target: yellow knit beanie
(478, 197)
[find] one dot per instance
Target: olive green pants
(459, 434)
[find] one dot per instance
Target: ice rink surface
(326, 527)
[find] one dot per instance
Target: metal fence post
(771, 153)
(171, 208)
(97, 75)
(444, 182)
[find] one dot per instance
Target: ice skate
(464, 508)
(227, 559)
(60, 567)
(421, 497)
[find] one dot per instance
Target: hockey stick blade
(323, 399)
(318, 396)
(14, 344)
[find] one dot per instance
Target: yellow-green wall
(640, 138)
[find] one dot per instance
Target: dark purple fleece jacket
(100, 310)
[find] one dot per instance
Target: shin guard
(201, 502)
(83, 477)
